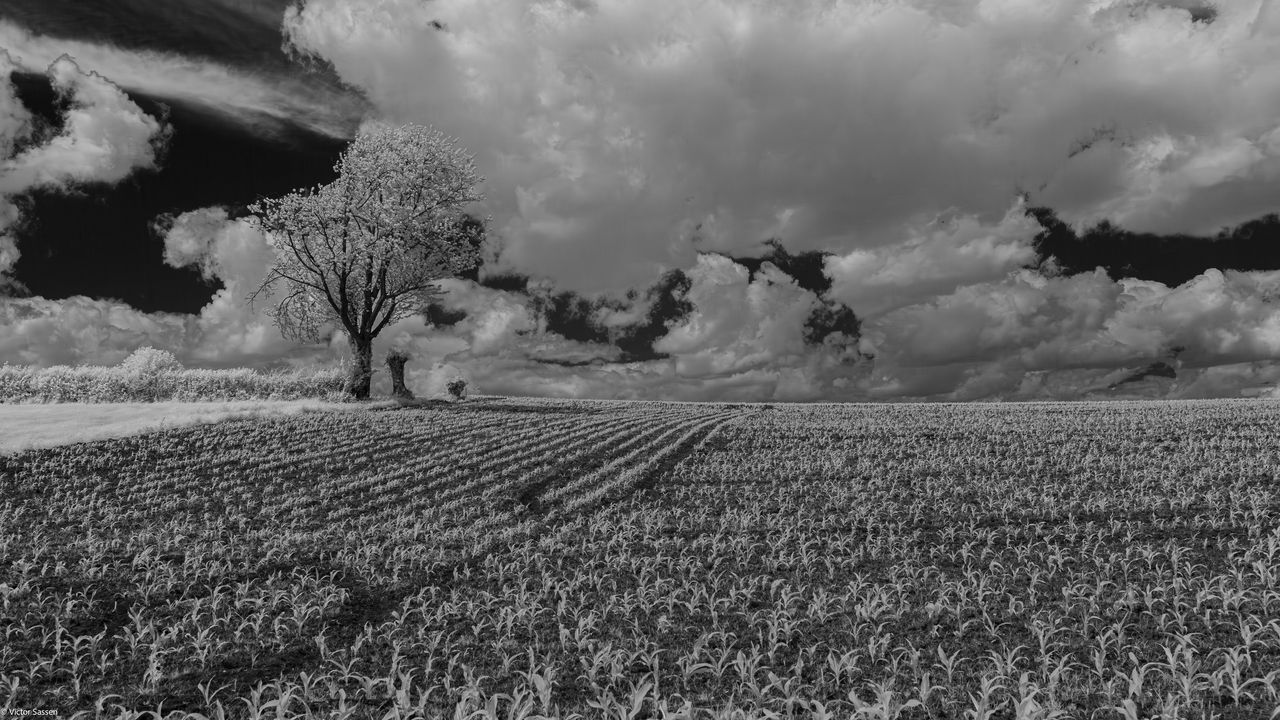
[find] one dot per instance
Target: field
(35, 425)
(518, 558)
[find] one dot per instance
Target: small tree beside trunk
(369, 248)
(395, 363)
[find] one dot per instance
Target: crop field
(507, 558)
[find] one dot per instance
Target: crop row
(664, 560)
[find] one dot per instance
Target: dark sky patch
(440, 315)
(1204, 14)
(806, 268)
(1169, 259)
(575, 317)
(98, 240)
(506, 281)
(244, 34)
(668, 305)
(828, 319)
(571, 316)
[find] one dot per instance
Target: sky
(817, 200)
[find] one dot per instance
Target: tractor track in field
(374, 605)
(649, 481)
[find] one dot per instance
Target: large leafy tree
(369, 248)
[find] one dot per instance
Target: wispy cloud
(270, 102)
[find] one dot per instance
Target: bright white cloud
(994, 338)
(738, 324)
(81, 330)
(230, 328)
(105, 137)
(947, 253)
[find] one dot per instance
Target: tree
(369, 248)
(395, 363)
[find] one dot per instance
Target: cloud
(612, 133)
(1025, 336)
(741, 337)
(624, 139)
(268, 101)
(945, 254)
(15, 120)
(81, 330)
(233, 251)
(738, 324)
(104, 138)
(1004, 338)
(15, 126)
(230, 329)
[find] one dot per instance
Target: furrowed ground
(509, 559)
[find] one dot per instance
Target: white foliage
(367, 249)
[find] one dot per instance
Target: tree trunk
(361, 370)
(395, 363)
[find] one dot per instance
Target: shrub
(150, 361)
(152, 378)
(457, 388)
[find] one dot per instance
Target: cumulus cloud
(623, 139)
(741, 338)
(230, 329)
(1002, 338)
(81, 330)
(945, 254)
(614, 132)
(265, 101)
(104, 138)
(738, 324)
(1023, 335)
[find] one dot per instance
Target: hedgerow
(153, 375)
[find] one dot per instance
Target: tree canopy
(369, 248)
